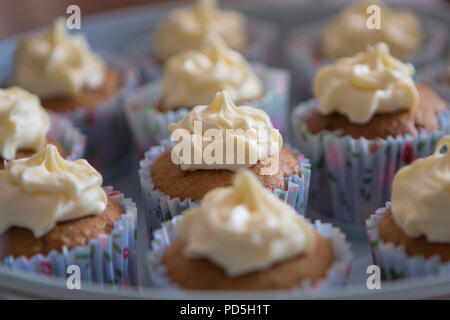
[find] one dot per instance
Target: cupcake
(73, 81)
(25, 128)
(186, 29)
(209, 145)
(192, 78)
(410, 236)
(414, 39)
(56, 214)
(369, 120)
(243, 237)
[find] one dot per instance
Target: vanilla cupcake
(25, 127)
(174, 178)
(370, 118)
(410, 237)
(193, 77)
(72, 80)
(242, 237)
(410, 38)
(54, 213)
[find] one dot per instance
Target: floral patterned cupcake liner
(105, 126)
(149, 126)
(437, 76)
(337, 275)
(159, 207)
(303, 46)
(393, 261)
(264, 47)
(109, 259)
(69, 137)
(353, 177)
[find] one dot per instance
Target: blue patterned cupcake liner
(109, 259)
(159, 207)
(352, 177)
(149, 125)
(68, 137)
(393, 260)
(264, 47)
(337, 275)
(304, 59)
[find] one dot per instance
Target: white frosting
(56, 64)
(186, 29)
(193, 77)
(421, 196)
(38, 192)
(244, 228)
(369, 83)
(23, 122)
(348, 34)
(245, 126)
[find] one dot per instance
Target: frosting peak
(23, 122)
(57, 64)
(40, 191)
(244, 228)
(371, 82)
(348, 33)
(193, 77)
(230, 125)
(186, 28)
(421, 196)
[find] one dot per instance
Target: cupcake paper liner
(437, 76)
(109, 259)
(264, 47)
(105, 126)
(159, 207)
(353, 177)
(149, 126)
(69, 137)
(393, 261)
(303, 46)
(337, 275)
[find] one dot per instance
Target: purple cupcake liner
(159, 207)
(149, 126)
(393, 260)
(337, 275)
(109, 259)
(353, 177)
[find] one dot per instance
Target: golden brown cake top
(244, 228)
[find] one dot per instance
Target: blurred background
(22, 15)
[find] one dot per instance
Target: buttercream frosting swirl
(23, 122)
(38, 192)
(348, 33)
(55, 64)
(186, 28)
(421, 196)
(193, 77)
(244, 228)
(244, 134)
(369, 83)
